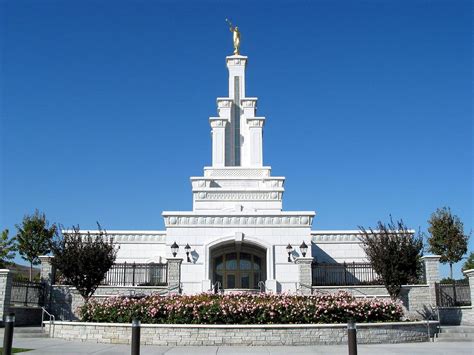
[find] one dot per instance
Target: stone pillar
(304, 274)
(255, 135)
(174, 274)
(218, 141)
(5, 292)
(48, 277)
(431, 267)
(470, 275)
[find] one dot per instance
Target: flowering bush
(244, 308)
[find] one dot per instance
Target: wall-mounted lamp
(174, 249)
(303, 249)
(289, 249)
(187, 248)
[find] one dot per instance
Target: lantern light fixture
(187, 248)
(174, 249)
(289, 249)
(303, 249)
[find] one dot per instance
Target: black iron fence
(133, 274)
(25, 293)
(453, 294)
(345, 274)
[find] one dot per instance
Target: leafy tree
(447, 237)
(83, 260)
(34, 237)
(7, 248)
(394, 252)
(469, 264)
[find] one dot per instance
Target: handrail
(52, 319)
(216, 287)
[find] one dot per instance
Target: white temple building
(238, 234)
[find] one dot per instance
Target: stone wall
(456, 316)
(26, 315)
(312, 334)
(5, 292)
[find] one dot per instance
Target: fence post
(470, 276)
(48, 277)
(5, 292)
(431, 267)
(304, 274)
(174, 273)
(133, 273)
(124, 273)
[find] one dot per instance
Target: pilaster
(431, 269)
(174, 274)
(47, 276)
(5, 292)
(470, 275)
(304, 274)
(218, 141)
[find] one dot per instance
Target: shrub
(243, 308)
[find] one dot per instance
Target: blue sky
(105, 106)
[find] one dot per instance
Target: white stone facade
(237, 230)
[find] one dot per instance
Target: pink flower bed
(208, 308)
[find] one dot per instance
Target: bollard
(8, 335)
(136, 337)
(352, 337)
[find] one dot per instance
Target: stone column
(431, 267)
(255, 135)
(5, 292)
(470, 275)
(174, 274)
(218, 141)
(48, 277)
(304, 274)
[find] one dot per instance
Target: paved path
(64, 347)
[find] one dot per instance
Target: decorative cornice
(224, 102)
(124, 237)
(303, 219)
(217, 122)
(249, 102)
(256, 122)
(236, 60)
(338, 236)
(238, 195)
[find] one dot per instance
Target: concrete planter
(278, 334)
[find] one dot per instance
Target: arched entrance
(238, 266)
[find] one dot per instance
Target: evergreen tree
(469, 264)
(34, 237)
(447, 237)
(7, 248)
(394, 252)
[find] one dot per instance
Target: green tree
(7, 248)
(34, 237)
(394, 252)
(447, 237)
(83, 259)
(469, 264)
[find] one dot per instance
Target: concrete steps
(26, 332)
(456, 333)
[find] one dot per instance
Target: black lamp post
(289, 249)
(187, 248)
(174, 249)
(352, 337)
(303, 249)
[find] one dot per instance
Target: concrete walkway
(64, 347)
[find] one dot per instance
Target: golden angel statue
(236, 36)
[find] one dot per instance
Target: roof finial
(236, 36)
